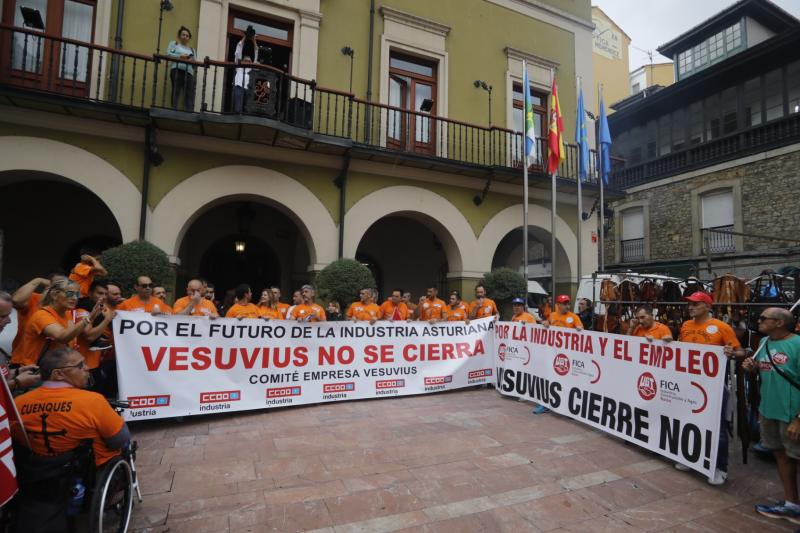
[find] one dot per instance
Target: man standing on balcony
(241, 80)
(181, 72)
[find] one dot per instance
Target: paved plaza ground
(459, 461)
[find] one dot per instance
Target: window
(729, 105)
(696, 123)
(635, 146)
(678, 129)
(632, 242)
(713, 129)
(717, 221)
(271, 34)
(685, 61)
(773, 84)
(793, 83)
(651, 138)
(752, 102)
(636, 88)
(701, 55)
(539, 102)
(77, 24)
(733, 37)
(664, 138)
(716, 47)
(412, 81)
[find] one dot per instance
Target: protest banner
(176, 365)
(664, 397)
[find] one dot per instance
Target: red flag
(8, 414)
(555, 140)
(396, 313)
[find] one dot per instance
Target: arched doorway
(404, 252)
(509, 254)
(244, 240)
(46, 221)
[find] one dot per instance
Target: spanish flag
(555, 138)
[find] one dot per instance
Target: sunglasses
(762, 317)
(79, 366)
(147, 285)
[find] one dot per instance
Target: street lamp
(346, 50)
(480, 84)
(166, 5)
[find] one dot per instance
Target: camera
(250, 32)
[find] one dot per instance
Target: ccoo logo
(647, 386)
(144, 402)
(561, 364)
(220, 396)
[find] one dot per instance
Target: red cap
(562, 299)
(700, 296)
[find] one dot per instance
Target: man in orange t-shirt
(365, 309)
(243, 308)
(644, 325)
(308, 311)
(144, 301)
(482, 306)
(282, 307)
(702, 329)
(61, 414)
(84, 272)
(95, 329)
(520, 314)
(431, 308)
(26, 301)
(195, 303)
(456, 308)
(394, 308)
(562, 317)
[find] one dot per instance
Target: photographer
(245, 52)
(182, 74)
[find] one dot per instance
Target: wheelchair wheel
(112, 501)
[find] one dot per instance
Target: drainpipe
(112, 89)
(145, 182)
(370, 53)
(341, 182)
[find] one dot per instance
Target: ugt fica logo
(501, 351)
(561, 364)
(647, 386)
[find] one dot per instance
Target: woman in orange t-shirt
(52, 325)
(268, 306)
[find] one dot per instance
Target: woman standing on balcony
(182, 74)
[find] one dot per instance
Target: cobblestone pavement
(458, 461)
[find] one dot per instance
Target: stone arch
(77, 165)
(176, 212)
(430, 208)
(510, 219)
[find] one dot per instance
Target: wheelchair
(45, 501)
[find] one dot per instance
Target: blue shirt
(176, 49)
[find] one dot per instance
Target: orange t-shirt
(135, 304)
(361, 311)
(284, 309)
(389, 311)
(567, 320)
(712, 331)
(658, 331)
(243, 311)
(316, 312)
(524, 317)
(82, 275)
(271, 313)
(203, 308)
(430, 309)
(489, 308)
(23, 315)
(92, 357)
(459, 314)
(35, 341)
(72, 416)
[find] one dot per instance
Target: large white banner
(664, 397)
(175, 366)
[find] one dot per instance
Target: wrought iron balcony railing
(35, 62)
(718, 240)
(632, 250)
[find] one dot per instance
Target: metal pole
(160, 22)
(524, 181)
(580, 195)
(553, 238)
(602, 212)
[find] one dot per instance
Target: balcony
(63, 75)
(766, 136)
(632, 250)
(718, 240)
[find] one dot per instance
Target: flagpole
(580, 195)
(602, 202)
(553, 221)
(525, 92)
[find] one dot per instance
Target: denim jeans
(238, 98)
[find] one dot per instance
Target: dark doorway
(257, 265)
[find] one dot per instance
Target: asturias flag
(530, 129)
(555, 140)
(582, 139)
(605, 142)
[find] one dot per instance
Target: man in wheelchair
(68, 428)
